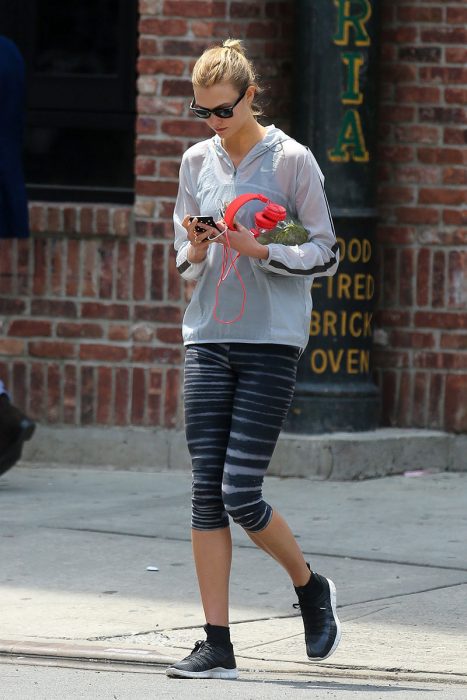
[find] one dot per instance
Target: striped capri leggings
(236, 400)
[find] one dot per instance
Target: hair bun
(235, 45)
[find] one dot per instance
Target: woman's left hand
(243, 241)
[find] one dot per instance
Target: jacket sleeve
(186, 204)
(320, 254)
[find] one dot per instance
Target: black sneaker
(206, 661)
(317, 604)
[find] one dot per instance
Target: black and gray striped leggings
(236, 400)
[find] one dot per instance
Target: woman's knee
(252, 514)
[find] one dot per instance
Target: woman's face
(225, 95)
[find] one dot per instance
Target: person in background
(15, 426)
(240, 374)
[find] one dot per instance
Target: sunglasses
(221, 112)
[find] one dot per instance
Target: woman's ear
(250, 94)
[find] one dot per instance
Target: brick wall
(421, 356)
(91, 305)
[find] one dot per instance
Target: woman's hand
(243, 241)
(199, 243)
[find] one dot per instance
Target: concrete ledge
(339, 456)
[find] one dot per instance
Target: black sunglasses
(221, 112)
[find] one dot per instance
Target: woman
(240, 376)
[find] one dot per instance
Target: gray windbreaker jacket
(278, 305)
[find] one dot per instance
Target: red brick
(419, 14)
(29, 328)
(123, 271)
(121, 407)
(106, 353)
(438, 278)
(154, 397)
(405, 403)
(417, 215)
(420, 95)
(456, 403)
(420, 399)
(10, 346)
(166, 66)
(104, 311)
(440, 360)
(54, 220)
(394, 235)
(50, 307)
(79, 330)
(86, 219)
(163, 27)
(435, 400)
(441, 115)
(54, 398)
(454, 217)
(411, 339)
(169, 335)
(138, 396)
(147, 46)
(391, 358)
(6, 266)
(435, 195)
(151, 354)
(244, 9)
(40, 266)
(151, 147)
(105, 269)
(10, 307)
(158, 267)
(443, 74)
(451, 341)
(104, 396)
(158, 106)
(417, 133)
(72, 268)
(177, 88)
(37, 218)
(457, 279)
(455, 96)
(69, 394)
(194, 8)
(53, 349)
(18, 385)
(455, 176)
(388, 391)
(455, 136)
(88, 392)
(390, 268)
(118, 333)
(444, 36)
(427, 319)
(156, 188)
(169, 168)
(147, 127)
(70, 220)
(423, 276)
(102, 221)
(121, 221)
(174, 278)
(418, 174)
(457, 54)
(185, 128)
(37, 393)
(140, 271)
(439, 155)
(406, 277)
(145, 166)
(456, 15)
(172, 388)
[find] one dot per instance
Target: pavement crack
(371, 560)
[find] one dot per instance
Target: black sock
(217, 635)
(313, 587)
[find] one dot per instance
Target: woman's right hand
(198, 248)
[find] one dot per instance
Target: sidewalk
(75, 545)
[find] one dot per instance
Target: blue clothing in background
(13, 201)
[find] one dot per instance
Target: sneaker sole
(224, 673)
(332, 590)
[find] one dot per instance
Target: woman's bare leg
(278, 541)
(212, 551)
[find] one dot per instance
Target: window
(80, 65)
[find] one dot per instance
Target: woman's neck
(243, 141)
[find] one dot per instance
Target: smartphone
(208, 220)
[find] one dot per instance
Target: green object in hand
(287, 232)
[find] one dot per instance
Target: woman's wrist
(263, 252)
(195, 256)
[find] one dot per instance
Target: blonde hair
(226, 63)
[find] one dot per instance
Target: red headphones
(267, 219)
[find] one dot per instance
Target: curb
(90, 653)
(336, 456)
